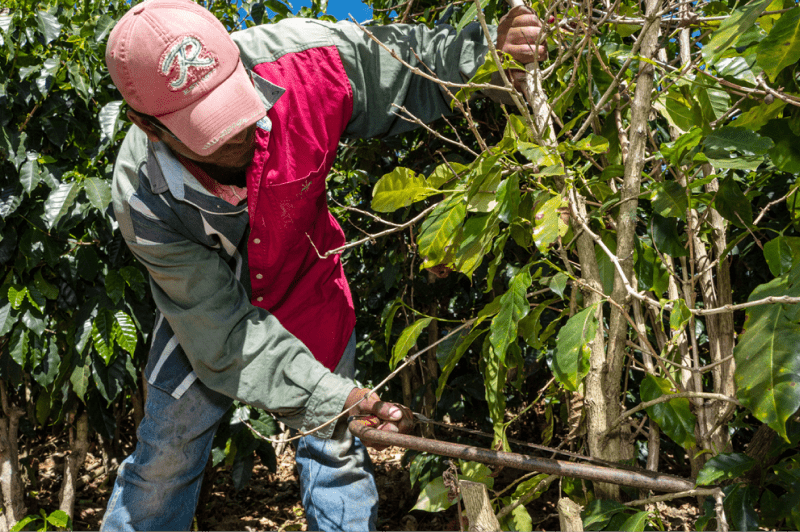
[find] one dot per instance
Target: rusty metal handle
(636, 479)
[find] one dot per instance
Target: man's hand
(378, 414)
(518, 33)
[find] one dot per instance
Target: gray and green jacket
(195, 245)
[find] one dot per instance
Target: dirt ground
(272, 501)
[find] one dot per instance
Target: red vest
(288, 208)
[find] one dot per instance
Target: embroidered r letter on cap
(186, 63)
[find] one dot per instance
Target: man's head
(173, 60)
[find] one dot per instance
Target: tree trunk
(569, 516)
(477, 507)
(79, 446)
(13, 495)
(603, 384)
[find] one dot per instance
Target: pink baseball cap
(172, 59)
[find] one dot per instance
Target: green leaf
(5, 312)
(781, 254)
(43, 407)
(18, 348)
(737, 68)
(508, 196)
(636, 522)
(126, 336)
(48, 25)
(46, 370)
(29, 175)
(781, 47)
(482, 195)
(675, 416)
(101, 336)
(33, 323)
(444, 174)
(757, 116)
(482, 75)
(524, 488)
(548, 225)
(681, 109)
(407, 340)
(680, 316)
(725, 466)
(678, 151)
(476, 238)
(103, 27)
(599, 512)
(666, 238)
(736, 147)
(109, 120)
(24, 523)
(265, 425)
(439, 230)
(513, 307)
(732, 28)
(434, 497)
(36, 298)
(522, 519)
(48, 290)
(768, 355)
(454, 356)
(740, 507)
(115, 285)
(476, 472)
(732, 204)
(59, 519)
(786, 152)
(470, 14)
(80, 378)
(558, 283)
(571, 360)
(80, 82)
(530, 326)
(591, 143)
(59, 202)
(16, 295)
(242, 470)
(399, 188)
(494, 379)
(669, 199)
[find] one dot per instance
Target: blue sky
(341, 9)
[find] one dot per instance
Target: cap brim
(208, 123)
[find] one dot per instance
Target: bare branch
(357, 243)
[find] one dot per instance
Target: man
(219, 191)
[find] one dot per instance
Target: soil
(271, 501)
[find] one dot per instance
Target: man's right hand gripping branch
(374, 413)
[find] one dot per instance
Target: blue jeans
(158, 486)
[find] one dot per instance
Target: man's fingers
(518, 34)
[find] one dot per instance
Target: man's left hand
(518, 33)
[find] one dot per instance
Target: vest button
(260, 298)
(256, 241)
(259, 276)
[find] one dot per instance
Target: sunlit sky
(341, 9)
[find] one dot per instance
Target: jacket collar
(167, 173)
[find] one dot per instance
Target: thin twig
(370, 238)
(669, 397)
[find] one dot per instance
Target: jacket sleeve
(235, 348)
(378, 80)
